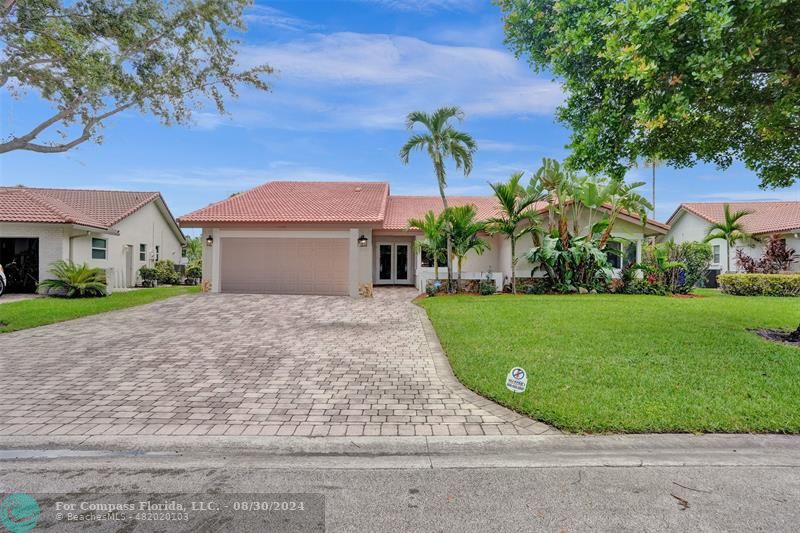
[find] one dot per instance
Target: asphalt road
(678, 484)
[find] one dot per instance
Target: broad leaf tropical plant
(442, 142)
(517, 216)
(434, 239)
(623, 196)
(75, 280)
(730, 230)
(464, 229)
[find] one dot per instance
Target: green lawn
(40, 311)
(619, 363)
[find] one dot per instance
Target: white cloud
(233, 178)
(356, 80)
(262, 15)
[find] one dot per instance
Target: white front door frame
(393, 278)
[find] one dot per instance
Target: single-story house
(119, 231)
(342, 238)
(691, 222)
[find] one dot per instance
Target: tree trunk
(449, 241)
(513, 263)
(460, 261)
(728, 257)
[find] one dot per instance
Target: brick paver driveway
(243, 365)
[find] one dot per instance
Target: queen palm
(731, 230)
(464, 230)
(442, 141)
(517, 217)
(434, 240)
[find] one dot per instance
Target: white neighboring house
(691, 222)
(119, 231)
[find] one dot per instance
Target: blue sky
(348, 72)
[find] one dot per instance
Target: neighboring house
(119, 231)
(691, 222)
(341, 238)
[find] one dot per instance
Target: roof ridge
(69, 189)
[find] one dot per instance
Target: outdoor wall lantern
(209, 240)
(362, 241)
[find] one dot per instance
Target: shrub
(674, 268)
(775, 258)
(487, 286)
(149, 276)
(165, 272)
(75, 281)
(194, 270)
(760, 284)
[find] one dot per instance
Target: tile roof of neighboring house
(299, 201)
(401, 208)
(92, 208)
(766, 217)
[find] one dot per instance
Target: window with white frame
(99, 248)
(715, 249)
(142, 252)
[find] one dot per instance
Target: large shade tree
(678, 80)
(93, 59)
(441, 141)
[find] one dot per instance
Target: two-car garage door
(284, 265)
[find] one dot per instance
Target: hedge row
(760, 284)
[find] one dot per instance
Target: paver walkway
(224, 364)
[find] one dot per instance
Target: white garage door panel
(284, 265)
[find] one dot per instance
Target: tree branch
(23, 143)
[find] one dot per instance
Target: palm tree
(516, 209)
(553, 179)
(442, 141)
(464, 230)
(730, 231)
(623, 197)
(434, 240)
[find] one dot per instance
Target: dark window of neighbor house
(158, 252)
(614, 254)
(142, 252)
(99, 248)
(427, 260)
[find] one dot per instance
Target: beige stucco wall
(146, 226)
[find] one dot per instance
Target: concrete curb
(530, 451)
(523, 424)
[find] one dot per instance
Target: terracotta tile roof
(298, 201)
(766, 217)
(93, 208)
(401, 208)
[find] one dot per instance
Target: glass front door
(393, 263)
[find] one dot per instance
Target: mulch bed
(777, 335)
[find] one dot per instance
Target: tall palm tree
(434, 240)
(442, 141)
(517, 217)
(623, 197)
(730, 231)
(464, 230)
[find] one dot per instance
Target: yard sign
(517, 380)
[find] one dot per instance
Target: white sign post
(517, 380)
